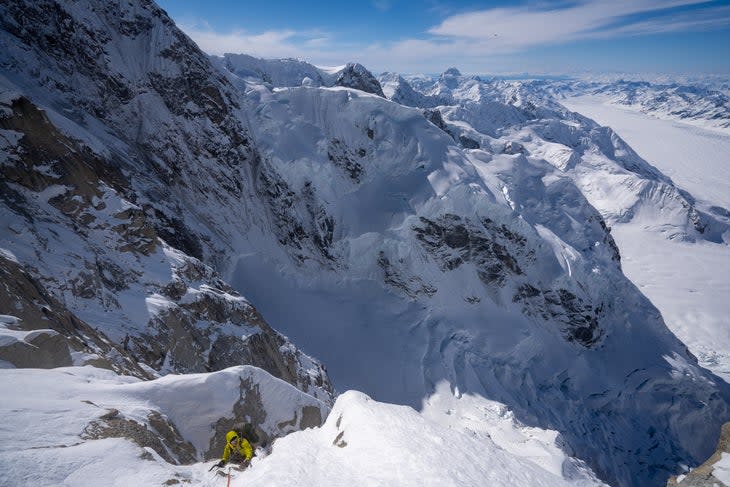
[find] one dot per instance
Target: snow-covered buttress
(119, 137)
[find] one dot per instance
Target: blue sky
(487, 37)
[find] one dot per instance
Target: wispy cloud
(703, 20)
(314, 46)
(471, 40)
(382, 5)
(505, 29)
(439, 7)
(268, 44)
(474, 38)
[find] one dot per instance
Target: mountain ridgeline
(407, 232)
(707, 106)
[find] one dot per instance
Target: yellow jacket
(242, 449)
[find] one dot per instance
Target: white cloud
(704, 20)
(269, 44)
(382, 5)
(473, 41)
(314, 46)
(505, 29)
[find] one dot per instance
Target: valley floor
(688, 282)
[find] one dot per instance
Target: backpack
(246, 430)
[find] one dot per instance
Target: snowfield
(688, 281)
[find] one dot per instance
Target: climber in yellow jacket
(237, 450)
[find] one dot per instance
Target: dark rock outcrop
(468, 142)
(412, 286)
(356, 76)
(49, 332)
(500, 255)
(159, 434)
(301, 223)
(453, 241)
(434, 116)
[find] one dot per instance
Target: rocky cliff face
(103, 247)
(43, 333)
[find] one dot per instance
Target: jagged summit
(277, 72)
(358, 77)
(398, 89)
(451, 72)
(450, 79)
(292, 72)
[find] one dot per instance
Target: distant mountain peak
(356, 76)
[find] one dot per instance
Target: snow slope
(489, 268)
(688, 282)
(80, 426)
(454, 441)
(65, 439)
